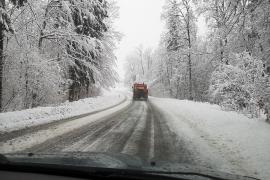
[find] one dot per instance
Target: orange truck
(140, 91)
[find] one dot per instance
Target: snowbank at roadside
(16, 120)
(234, 142)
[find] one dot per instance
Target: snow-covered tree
(223, 16)
(30, 78)
(179, 39)
(139, 66)
(85, 39)
(59, 50)
(79, 27)
(239, 86)
(5, 27)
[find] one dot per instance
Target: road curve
(139, 130)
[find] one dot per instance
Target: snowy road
(139, 130)
(161, 129)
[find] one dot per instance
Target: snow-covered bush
(239, 86)
(30, 79)
(227, 87)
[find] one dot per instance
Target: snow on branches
(60, 49)
(239, 86)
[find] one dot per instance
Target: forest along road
(138, 130)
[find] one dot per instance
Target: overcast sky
(140, 23)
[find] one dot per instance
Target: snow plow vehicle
(140, 91)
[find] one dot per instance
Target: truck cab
(140, 91)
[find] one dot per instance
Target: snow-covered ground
(226, 141)
(234, 142)
(16, 120)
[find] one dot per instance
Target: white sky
(140, 23)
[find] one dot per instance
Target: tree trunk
(168, 77)
(190, 77)
(177, 88)
(71, 92)
(2, 36)
(189, 60)
(1, 65)
(141, 58)
(43, 28)
(221, 50)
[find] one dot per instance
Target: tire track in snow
(81, 139)
(28, 130)
(132, 144)
(141, 143)
(139, 130)
(115, 139)
(92, 137)
(92, 130)
(167, 145)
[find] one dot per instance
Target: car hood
(115, 161)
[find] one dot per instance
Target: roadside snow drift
(234, 142)
(16, 120)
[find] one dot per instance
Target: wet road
(139, 130)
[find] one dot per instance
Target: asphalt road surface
(138, 130)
